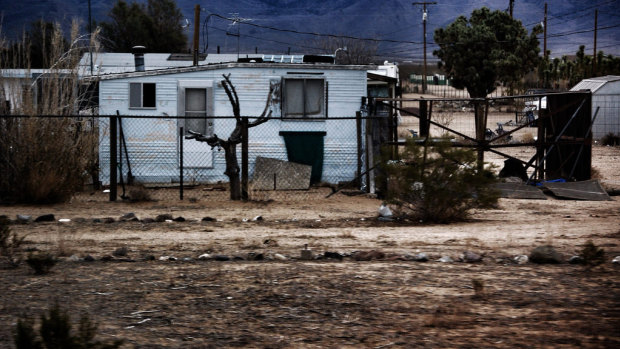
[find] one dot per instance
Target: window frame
(141, 84)
(323, 114)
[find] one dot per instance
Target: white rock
(257, 218)
(279, 257)
(64, 220)
(74, 258)
(616, 260)
(204, 257)
(385, 211)
(521, 259)
(445, 259)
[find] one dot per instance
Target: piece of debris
(64, 220)
(205, 257)
(471, 257)
(420, 257)
(279, 257)
(128, 217)
(187, 259)
(513, 168)
(89, 258)
(270, 242)
(332, 255)
(445, 259)
(590, 190)
(167, 258)
(45, 218)
(385, 211)
(221, 258)
(23, 219)
(208, 219)
(257, 218)
(545, 254)
(616, 260)
(254, 256)
(368, 255)
(121, 251)
(521, 259)
(148, 220)
(74, 258)
(576, 260)
(307, 254)
(179, 219)
(163, 217)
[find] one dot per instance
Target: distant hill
(396, 20)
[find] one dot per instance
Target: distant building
(606, 98)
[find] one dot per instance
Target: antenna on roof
(236, 20)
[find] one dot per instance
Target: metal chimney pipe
(138, 55)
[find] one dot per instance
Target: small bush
(9, 242)
(438, 183)
(527, 138)
(42, 263)
(592, 255)
(55, 331)
(138, 193)
(611, 139)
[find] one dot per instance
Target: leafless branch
(232, 96)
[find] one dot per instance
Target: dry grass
(46, 157)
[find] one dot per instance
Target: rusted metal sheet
(585, 190)
(520, 191)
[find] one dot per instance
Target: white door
(194, 106)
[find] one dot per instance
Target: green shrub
(55, 332)
(439, 183)
(41, 263)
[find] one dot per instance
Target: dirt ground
(292, 303)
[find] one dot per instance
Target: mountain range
(276, 25)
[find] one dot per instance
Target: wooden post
(481, 125)
(541, 125)
(423, 119)
(244, 158)
(113, 164)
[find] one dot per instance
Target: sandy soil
(323, 303)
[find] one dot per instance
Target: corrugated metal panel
(591, 85)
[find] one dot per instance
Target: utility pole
(545, 34)
(511, 7)
(594, 53)
(424, 17)
(196, 32)
(90, 38)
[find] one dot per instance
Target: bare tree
(357, 51)
(236, 136)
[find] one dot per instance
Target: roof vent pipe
(138, 55)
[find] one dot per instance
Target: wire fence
(138, 157)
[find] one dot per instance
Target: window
(141, 95)
(196, 110)
(304, 98)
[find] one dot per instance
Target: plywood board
(274, 174)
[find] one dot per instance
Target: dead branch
(232, 96)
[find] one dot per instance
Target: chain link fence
(296, 159)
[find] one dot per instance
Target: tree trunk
(232, 170)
